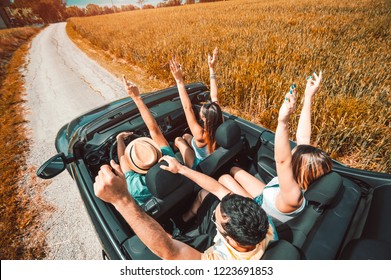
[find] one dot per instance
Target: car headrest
(161, 182)
(228, 134)
(324, 190)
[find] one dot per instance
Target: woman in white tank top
(283, 198)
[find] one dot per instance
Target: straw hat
(141, 154)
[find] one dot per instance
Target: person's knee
(234, 170)
(223, 179)
(187, 137)
(198, 201)
(178, 141)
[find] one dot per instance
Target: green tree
(107, 10)
(93, 10)
(173, 3)
(148, 6)
(51, 10)
(127, 8)
(74, 11)
(47, 10)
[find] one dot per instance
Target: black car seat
(374, 241)
(228, 137)
(170, 191)
(366, 249)
(281, 250)
(276, 250)
(319, 230)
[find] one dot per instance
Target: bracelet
(213, 76)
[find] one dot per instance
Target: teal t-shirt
(136, 183)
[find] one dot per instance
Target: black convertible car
(347, 217)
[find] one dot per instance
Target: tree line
(27, 12)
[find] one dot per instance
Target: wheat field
(265, 46)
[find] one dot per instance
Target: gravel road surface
(61, 84)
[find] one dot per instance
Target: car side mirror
(53, 166)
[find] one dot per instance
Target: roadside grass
(117, 66)
(265, 46)
(22, 206)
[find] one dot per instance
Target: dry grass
(265, 46)
(20, 196)
(117, 66)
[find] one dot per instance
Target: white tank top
(269, 203)
(200, 153)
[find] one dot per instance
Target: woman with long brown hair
(282, 198)
(201, 142)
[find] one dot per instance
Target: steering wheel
(113, 149)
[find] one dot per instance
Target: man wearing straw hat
(142, 153)
(238, 236)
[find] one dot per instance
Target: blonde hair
(309, 163)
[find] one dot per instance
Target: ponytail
(213, 119)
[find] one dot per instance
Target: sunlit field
(265, 46)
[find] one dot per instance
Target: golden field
(265, 46)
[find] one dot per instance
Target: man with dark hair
(243, 231)
(247, 223)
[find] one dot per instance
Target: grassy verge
(117, 66)
(22, 206)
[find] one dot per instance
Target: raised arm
(121, 149)
(212, 60)
(111, 188)
(290, 192)
(204, 181)
(149, 120)
(191, 119)
(303, 135)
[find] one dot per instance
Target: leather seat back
(319, 230)
(228, 137)
(169, 191)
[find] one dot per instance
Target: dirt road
(62, 83)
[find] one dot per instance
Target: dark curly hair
(247, 222)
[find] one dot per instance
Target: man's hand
(116, 169)
(123, 135)
(131, 88)
(110, 184)
(173, 165)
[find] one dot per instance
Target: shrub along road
(62, 83)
